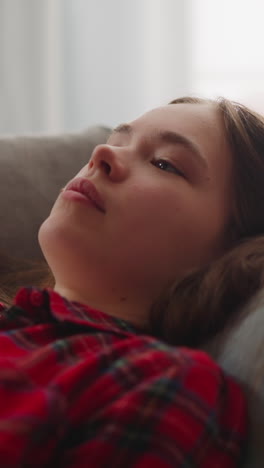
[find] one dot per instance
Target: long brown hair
(193, 310)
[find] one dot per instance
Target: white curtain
(67, 64)
(30, 61)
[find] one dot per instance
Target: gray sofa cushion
(33, 169)
(240, 352)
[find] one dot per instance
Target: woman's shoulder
(185, 397)
(192, 372)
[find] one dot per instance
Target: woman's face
(165, 180)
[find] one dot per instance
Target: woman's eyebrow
(123, 128)
(167, 136)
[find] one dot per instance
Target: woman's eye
(166, 165)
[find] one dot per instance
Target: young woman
(151, 249)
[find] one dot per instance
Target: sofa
(33, 170)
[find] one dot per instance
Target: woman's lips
(87, 188)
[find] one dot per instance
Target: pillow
(240, 352)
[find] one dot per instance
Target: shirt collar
(47, 301)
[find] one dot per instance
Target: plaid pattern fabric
(80, 388)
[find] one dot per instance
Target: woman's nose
(109, 160)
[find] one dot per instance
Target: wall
(65, 65)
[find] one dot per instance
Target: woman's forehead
(185, 117)
(201, 122)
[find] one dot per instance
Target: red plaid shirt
(81, 388)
